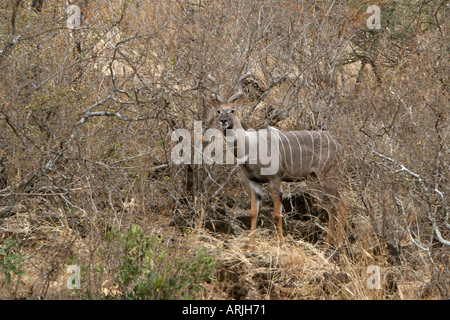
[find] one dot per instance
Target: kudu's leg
(330, 231)
(336, 214)
(342, 216)
(277, 206)
(256, 190)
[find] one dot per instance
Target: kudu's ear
(212, 101)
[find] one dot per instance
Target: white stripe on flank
(336, 151)
(292, 162)
(300, 148)
(284, 152)
(278, 140)
(313, 151)
(320, 150)
(328, 155)
(306, 153)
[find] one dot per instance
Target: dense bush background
(86, 118)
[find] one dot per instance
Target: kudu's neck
(238, 131)
(238, 123)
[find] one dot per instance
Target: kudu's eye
(219, 112)
(231, 111)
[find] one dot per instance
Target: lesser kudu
(301, 155)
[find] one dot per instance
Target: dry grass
(300, 270)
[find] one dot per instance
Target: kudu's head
(226, 110)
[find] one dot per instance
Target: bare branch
(261, 98)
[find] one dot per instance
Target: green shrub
(150, 269)
(10, 259)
